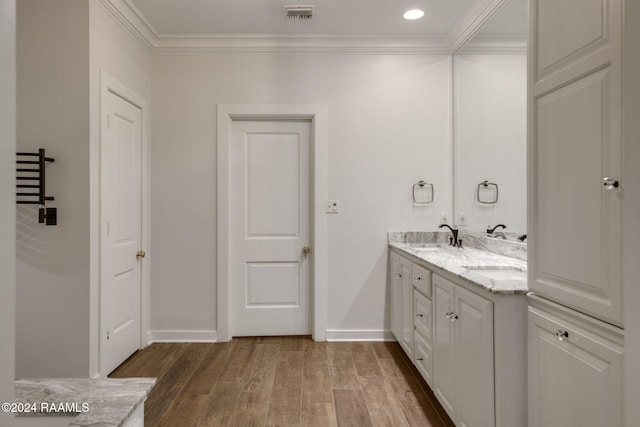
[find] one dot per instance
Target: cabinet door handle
(399, 275)
(419, 315)
(562, 335)
(417, 278)
(419, 359)
(451, 316)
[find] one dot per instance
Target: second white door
(270, 248)
(121, 150)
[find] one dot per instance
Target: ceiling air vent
(298, 13)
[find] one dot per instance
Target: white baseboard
(182, 336)
(359, 335)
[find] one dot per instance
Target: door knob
(306, 250)
(141, 254)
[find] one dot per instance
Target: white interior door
(269, 227)
(121, 148)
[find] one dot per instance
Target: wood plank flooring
(283, 381)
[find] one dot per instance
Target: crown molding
(131, 21)
(267, 43)
(494, 43)
(469, 22)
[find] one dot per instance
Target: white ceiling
(511, 19)
(172, 18)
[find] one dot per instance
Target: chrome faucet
(491, 230)
(453, 241)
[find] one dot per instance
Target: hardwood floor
(283, 381)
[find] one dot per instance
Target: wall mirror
(489, 113)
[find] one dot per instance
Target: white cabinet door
(396, 295)
(575, 375)
(445, 372)
(575, 143)
(475, 393)
(407, 306)
(463, 375)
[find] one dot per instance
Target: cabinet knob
(419, 315)
(417, 278)
(610, 183)
(562, 335)
(419, 359)
(451, 316)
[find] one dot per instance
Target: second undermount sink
(498, 272)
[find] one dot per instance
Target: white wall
(7, 199)
(52, 338)
(62, 47)
(116, 53)
(491, 138)
(388, 128)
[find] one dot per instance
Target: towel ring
(419, 188)
(484, 185)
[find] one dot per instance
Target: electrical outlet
(444, 217)
(462, 218)
(332, 206)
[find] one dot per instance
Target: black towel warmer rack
(29, 171)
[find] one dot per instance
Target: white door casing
(122, 209)
(269, 227)
(318, 117)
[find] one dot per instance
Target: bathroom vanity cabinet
(467, 342)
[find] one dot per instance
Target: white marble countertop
(453, 260)
(98, 402)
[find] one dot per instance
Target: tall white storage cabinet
(575, 69)
(576, 141)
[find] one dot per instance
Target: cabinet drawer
(571, 366)
(421, 278)
(423, 315)
(423, 358)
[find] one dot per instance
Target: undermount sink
(425, 247)
(497, 272)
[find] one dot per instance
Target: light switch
(332, 206)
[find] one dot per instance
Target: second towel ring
(483, 186)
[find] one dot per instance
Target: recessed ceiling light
(413, 14)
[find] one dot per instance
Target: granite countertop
(98, 402)
(441, 256)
